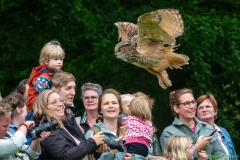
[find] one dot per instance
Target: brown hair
(119, 99)
(211, 99)
(15, 99)
(61, 79)
(174, 98)
(21, 86)
(51, 50)
(41, 109)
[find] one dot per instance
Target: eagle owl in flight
(150, 43)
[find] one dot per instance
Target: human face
(185, 113)
(110, 107)
(55, 63)
(125, 105)
(55, 105)
(90, 100)
(205, 111)
(67, 92)
(190, 152)
(4, 122)
(23, 114)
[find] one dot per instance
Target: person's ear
(176, 108)
(18, 109)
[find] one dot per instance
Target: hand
(103, 148)
(98, 138)
(202, 155)
(30, 124)
(202, 142)
(68, 110)
(43, 136)
(127, 156)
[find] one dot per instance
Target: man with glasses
(90, 95)
(183, 106)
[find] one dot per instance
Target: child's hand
(202, 155)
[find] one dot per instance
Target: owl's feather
(143, 44)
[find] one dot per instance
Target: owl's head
(123, 50)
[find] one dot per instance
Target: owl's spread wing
(126, 30)
(158, 28)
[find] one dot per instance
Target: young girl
(51, 61)
(139, 127)
(180, 148)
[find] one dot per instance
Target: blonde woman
(180, 148)
(68, 141)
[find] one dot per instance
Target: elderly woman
(207, 112)
(183, 105)
(68, 141)
(90, 95)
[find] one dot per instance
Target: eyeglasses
(87, 98)
(55, 102)
(201, 107)
(187, 104)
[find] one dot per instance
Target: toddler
(51, 61)
(139, 127)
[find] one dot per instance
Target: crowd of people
(113, 126)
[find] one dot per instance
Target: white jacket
(13, 148)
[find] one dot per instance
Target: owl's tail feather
(175, 60)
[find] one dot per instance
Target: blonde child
(154, 147)
(51, 61)
(139, 127)
(180, 148)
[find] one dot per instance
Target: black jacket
(61, 146)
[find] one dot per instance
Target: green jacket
(109, 155)
(214, 149)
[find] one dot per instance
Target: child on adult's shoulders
(51, 61)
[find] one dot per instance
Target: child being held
(139, 127)
(51, 61)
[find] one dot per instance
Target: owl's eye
(120, 50)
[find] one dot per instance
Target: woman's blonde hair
(176, 147)
(156, 158)
(139, 107)
(51, 50)
(41, 109)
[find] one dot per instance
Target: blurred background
(86, 31)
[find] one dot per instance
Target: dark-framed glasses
(87, 98)
(56, 102)
(187, 103)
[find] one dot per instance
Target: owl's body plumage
(143, 44)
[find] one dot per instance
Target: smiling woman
(183, 106)
(207, 112)
(68, 141)
(110, 107)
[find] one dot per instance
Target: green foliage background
(87, 33)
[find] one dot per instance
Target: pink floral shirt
(137, 129)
